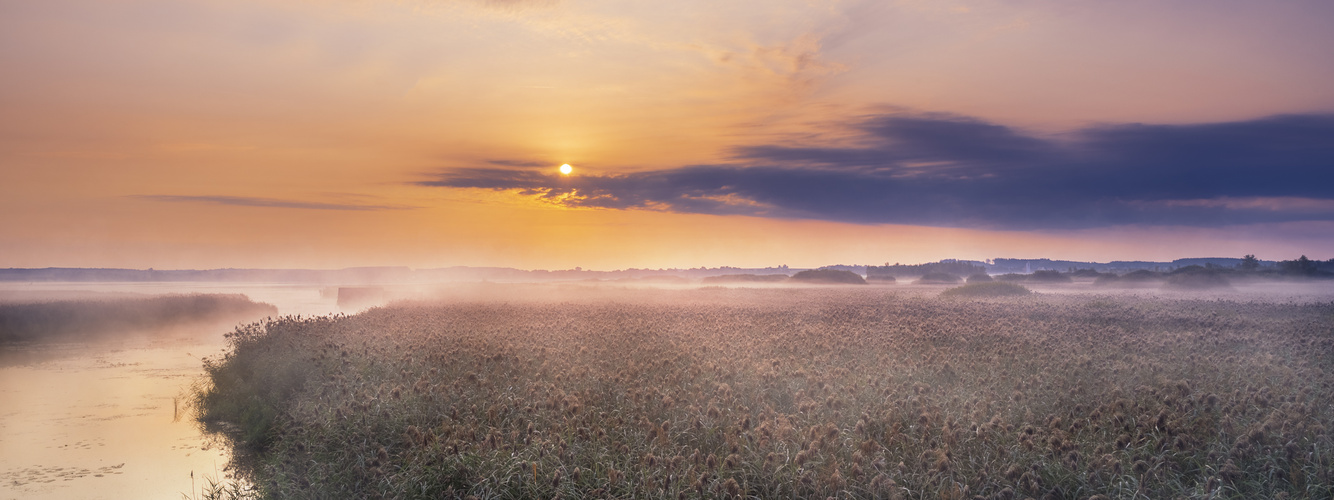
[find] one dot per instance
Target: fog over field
(788, 391)
(754, 249)
(671, 386)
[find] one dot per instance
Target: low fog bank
(588, 292)
(33, 296)
(1297, 291)
(30, 318)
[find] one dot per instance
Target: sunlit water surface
(107, 419)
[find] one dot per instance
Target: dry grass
(775, 393)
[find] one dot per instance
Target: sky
(428, 133)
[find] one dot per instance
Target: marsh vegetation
(855, 392)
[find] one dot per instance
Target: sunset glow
(798, 249)
(204, 133)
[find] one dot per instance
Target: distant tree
(1249, 263)
(1302, 266)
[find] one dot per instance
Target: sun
(566, 169)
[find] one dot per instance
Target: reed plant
(781, 393)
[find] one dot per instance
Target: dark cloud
(946, 170)
(245, 201)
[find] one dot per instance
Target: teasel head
(732, 488)
(882, 483)
(836, 480)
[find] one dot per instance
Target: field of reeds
(852, 392)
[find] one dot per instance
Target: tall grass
(809, 393)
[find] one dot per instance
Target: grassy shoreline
(782, 393)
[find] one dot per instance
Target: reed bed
(776, 393)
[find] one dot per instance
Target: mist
(83, 319)
(503, 249)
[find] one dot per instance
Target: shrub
(980, 278)
(1141, 275)
(987, 289)
(938, 279)
(829, 276)
(1197, 280)
(1048, 277)
(1012, 277)
(1140, 278)
(1086, 273)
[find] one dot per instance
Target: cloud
(245, 201)
(508, 162)
(797, 64)
(954, 171)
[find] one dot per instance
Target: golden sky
(325, 134)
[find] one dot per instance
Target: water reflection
(107, 419)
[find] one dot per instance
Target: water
(106, 419)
